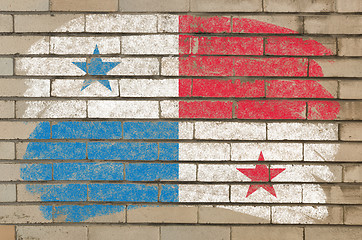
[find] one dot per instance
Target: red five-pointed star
(261, 174)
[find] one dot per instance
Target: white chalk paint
(122, 109)
(204, 151)
(73, 88)
(303, 131)
(169, 109)
(168, 23)
(150, 44)
(203, 193)
(298, 214)
(51, 109)
(286, 193)
(320, 152)
(37, 88)
(84, 45)
(222, 173)
(149, 87)
(271, 151)
(186, 130)
(308, 173)
(169, 66)
(134, 66)
(121, 23)
(230, 131)
(48, 66)
(187, 172)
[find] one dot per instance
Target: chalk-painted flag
(173, 117)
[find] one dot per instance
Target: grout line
(266, 132)
(195, 13)
(86, 109)
(338, 89)
(344, 214)
(230, 232)
(13, 22)
(16, 193)
(14, 109)
(87, 236)
(271, 214)
(14, 65)
(126, 213)
(51, 83)
(85, 23)
(53, 213)
(304, 233)
(232, 24)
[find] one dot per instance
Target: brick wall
(164, 146)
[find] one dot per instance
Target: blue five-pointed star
(96, 67)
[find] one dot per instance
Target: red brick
(323, 110)
(184, 87)
(271, 109)
(247, 66)
(191, 24)
(227, 88)
(295, 46)
(221, 45)
(206, 66)
(296, 89)
(246, 25)
(205, 109)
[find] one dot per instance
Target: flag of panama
(178, 111)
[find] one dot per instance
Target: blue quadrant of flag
(128, 170)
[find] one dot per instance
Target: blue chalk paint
(96, 67)
(42, 131)
(123, 151)
(150, 130)
(169, 193)
(55, 150)
(59, 192)
(36, 172)
(151, 171)
(123, 192)
(88, 171)
(169, 151)
(47, 211)
(76, 213)
(87, 130)
(112, 171)
(131, 207)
